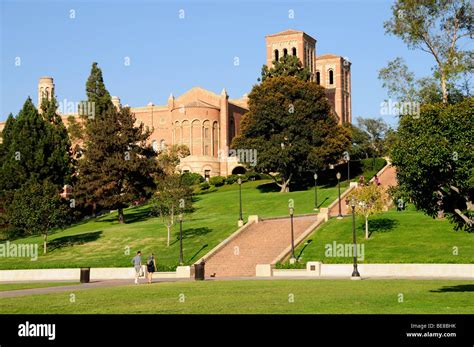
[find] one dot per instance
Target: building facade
(331, 71)
(207, 122)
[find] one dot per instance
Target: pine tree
(118, 165)
(96, 92)
(34, 147)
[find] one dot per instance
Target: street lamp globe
(352, 203)
(338, 175)
(315, 176)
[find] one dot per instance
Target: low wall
(316, 269)
(95, 274)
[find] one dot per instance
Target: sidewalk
(71, 288)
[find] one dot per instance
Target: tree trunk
(121, 217)
(285, 185)
(45, 243)
(366, 228)
(444, 88)
(169, 234)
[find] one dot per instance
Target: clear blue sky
(170, 55)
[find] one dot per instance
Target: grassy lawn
(17, 286)
(257, 296)
(397, 237)
(103, 242)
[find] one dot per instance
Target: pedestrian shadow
(73, 240)
(455, 289)
(381, 225)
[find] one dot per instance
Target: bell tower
(45, 90)
(292, 42)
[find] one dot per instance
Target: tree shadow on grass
(191, 232)
(271, 187)
(459, 288)
(73, 240)
(381, 225)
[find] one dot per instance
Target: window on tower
(276, 55)
(331, 77)
(318, 77)
(285, 52)
(294, 51)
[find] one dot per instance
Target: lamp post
(347, 158)
(241, 221)
(293, 258)
(338, 176)
(180, 238)
(315, 191)
(355, 272)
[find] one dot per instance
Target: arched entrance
(239, 170)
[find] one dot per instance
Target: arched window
(294, 51)
(207, 137)
(318, 77)
(285, 52)
(232, 128)
(277, 57)
(330, 77)
(162, 145)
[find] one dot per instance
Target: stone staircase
(259, 243)
(264, 241)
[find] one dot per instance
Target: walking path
(74, 287)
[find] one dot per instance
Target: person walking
(151, 267)
(137, 264)
(376, 180)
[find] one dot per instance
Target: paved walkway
(72, 288)
(261, 243)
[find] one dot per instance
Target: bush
(231, 179)
(204, 186)
(253, 176)
(191, 178)
(217, 181)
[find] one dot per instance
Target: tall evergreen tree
(118, 165)
(34, 147)
(96, 92)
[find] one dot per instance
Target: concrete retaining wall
(316, 269)
(96, 274)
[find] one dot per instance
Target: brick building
(207, 122)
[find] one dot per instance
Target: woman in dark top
(151, 266)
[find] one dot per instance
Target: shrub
(231, 179)
(253, 176)
(191, 178)
(204, 185)
(217, 181)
